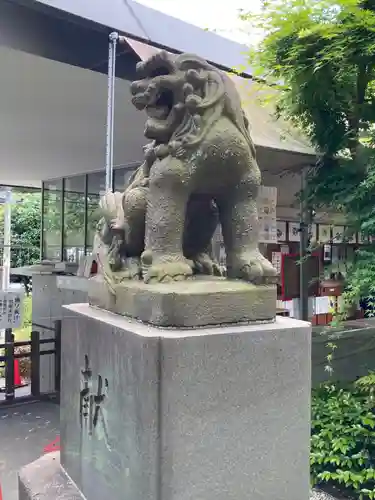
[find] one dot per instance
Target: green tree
(320, 57)
(26, 227)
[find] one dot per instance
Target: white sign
(338, 234)
(281, 230)
(267, 200)
(276, 261)
(324, 233)
(313, 232)
(11, 308)
(294, 231)
(362, 238)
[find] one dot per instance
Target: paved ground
(20, 392)
(24, 432)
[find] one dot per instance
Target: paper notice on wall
(363, 238)
(338, 234)
(313, 232)
(281, 230)
(322, 305)
(267, 200)
(276, 261)
(294, 231)
(11, 309)
(324, 233)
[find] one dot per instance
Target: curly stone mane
(208, 95)
(202, 94)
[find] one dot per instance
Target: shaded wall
(353, 357)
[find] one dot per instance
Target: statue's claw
(168, 270)
(203, 264)
(252, 267)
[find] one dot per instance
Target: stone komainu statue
(200, 169)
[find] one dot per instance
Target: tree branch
(354, 117)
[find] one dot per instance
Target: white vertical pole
(7, 241)
(113, 38)
(5, 276)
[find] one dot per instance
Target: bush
(343, 438)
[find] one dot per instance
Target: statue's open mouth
(161, 107)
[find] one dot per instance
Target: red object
(1, 495)
(17, 376)
(282, 273)
(53, 446)
(94, 270)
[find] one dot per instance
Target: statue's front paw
(203, 264)
(252, 267)
(131, 270)
(167, 270)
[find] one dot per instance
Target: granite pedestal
(209, 414)
(201, 301)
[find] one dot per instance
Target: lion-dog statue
(200, 169)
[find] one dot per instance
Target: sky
(211, 14)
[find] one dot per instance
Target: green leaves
(26, 225)
(323, 52)
(343, 437)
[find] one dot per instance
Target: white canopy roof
(53, 124)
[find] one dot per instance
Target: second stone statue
(199, 170)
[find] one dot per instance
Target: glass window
(52, 218)
(74, 218)
(95, 188)
(122, 177)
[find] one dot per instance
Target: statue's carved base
(199, 302)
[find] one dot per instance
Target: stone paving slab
(24, 432)
(19, 392)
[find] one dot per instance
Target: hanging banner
(267, 200)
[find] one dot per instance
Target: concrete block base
(44, 479)
(201, 301)
(159, 414)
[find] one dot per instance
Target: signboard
(313, 232)
(276, 261)
(338, 234)
(267, 199)
(281, 230)
(294, 231)
(363, 238)
(11, 308)
(324, 233)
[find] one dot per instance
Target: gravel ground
(24, 432)
(320, 495)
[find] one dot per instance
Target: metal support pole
(303, 243)
(42, 222)
(9, 365)
(7, 240)
(114, 39)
